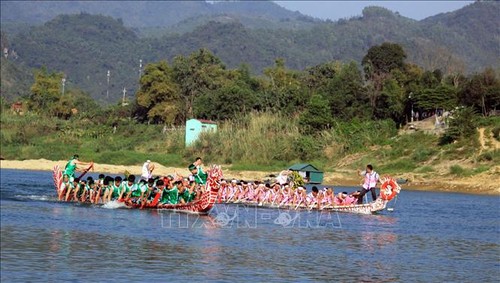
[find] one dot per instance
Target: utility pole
(411, 101)
(63, 81)
(107, 86)
(140, 68)
(123, 98)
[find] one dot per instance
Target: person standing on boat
(369, 184)
(199, 163)
(199, 177)
(72, 166)
(147, 170)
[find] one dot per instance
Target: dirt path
(481, 140)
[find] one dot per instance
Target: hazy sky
(335, 10)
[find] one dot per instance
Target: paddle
(392, 208)
(156, 199)
(300, 202)
(86, 170)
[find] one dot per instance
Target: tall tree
(238, 95)
(382, 59)
(392, 100)
(346, 94)
(316, 117)
(202, 71)
(378, 64)
(444, 96)
(482, 91)
(283, 88)
(45, 91)
(159, 93)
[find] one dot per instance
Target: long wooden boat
(388, 191)
(202, 205)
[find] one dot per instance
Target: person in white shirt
(369, 184)
(147, 170)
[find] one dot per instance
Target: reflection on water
(428, 238)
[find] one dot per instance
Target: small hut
(308, 171)
(194, 127)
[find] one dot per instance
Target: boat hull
(203, 205)
(369, 208)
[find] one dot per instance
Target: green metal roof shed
(308, 171)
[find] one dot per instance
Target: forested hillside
(149, 14)
(84, 46)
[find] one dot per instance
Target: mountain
(144, 15)
(86, 46)
(16, 78)
(474, 32)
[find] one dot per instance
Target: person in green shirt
(106, 188)
(199, 177)
(151, 192)
(92, 189)
(185, 195)
(171, 196)
(139, 190)
(72, 166)
(128, 187)
(199, 164)
(74, 190)
(114, 188)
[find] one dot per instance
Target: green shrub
(496, 133)
(425, 169)
(489, 156)
(402, 165)
(457, 170)
(422, 154)
(462, 126)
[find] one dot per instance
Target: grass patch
(490, 156)
(458, 170)
(480, 169)
(458, 151)
(425, 169)
(422, 154)
(402, 165)
(257, 141)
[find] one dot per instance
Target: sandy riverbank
(485, 183)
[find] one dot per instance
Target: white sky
(335, 10)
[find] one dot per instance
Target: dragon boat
(388, 191)
(202, 205)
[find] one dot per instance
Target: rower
(150, 194)
(127, 187)
(107, 189)
(65, 185)
(73, 189)
(139, 191)
(184, 195)
(312, 197)
(115, 189)
(86, 189)
(171, 196)
(91, 189)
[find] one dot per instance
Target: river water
(427, 237)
